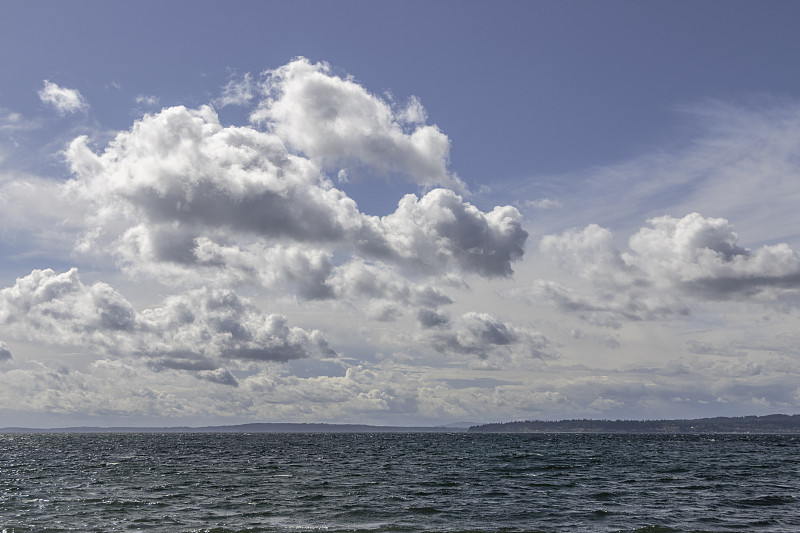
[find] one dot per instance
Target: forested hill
(744, 424)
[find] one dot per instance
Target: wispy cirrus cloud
(238, 91)
(731, 159)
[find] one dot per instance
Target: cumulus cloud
(484, 336)
(670, 261)
(440, 228)
(702, 254)
(209, 210)
(65, 101)
(178, 180)
(59, 309)
(195, 331)
(219, 324)
(181, 167)
(337, 123)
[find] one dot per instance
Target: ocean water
(270, 482)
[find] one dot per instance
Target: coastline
(766, 424)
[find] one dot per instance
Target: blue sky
(603, 218)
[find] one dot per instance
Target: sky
(398, 213)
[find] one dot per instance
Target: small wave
(767, 501)
(225, 530)
(423, 510)
(605, 495)
(654, 529)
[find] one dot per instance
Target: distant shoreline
(246, 428)
(767, 424)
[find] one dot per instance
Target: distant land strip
(246, 428)
(769, 424)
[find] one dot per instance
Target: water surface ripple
(266, 482)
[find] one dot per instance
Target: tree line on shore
(777, 423)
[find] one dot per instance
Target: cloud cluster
(197, 331)
(65, 101)
(207, 210)
(672, 260)
(412, 301)
(707, 385)
(179, 188)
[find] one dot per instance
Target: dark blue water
(398, 482)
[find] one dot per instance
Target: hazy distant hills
(744, 424)
(246, 428)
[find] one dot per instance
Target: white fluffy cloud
(338, 124)
(59, 309)
(65, 101)
(186, 214)
(669, 262)
(206, 210)
(703, 254)
(440, 229)
(179, 185)
(221, 324)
